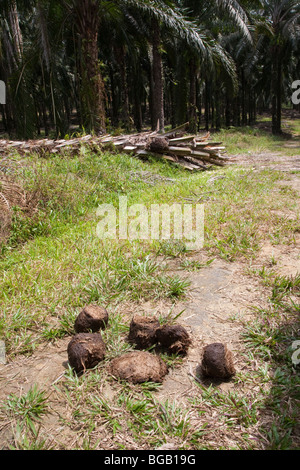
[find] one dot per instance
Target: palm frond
(173, 19)
(237, 15)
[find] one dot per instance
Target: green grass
(54, 264)
(235, 409)
(256, 139)
(27, 412)
(29, 407)
(270, 339)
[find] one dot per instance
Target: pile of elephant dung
(87, 348)
(174, 338)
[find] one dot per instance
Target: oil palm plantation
(86, 16)
(104, 62)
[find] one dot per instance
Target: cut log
(180, 150)
(214, 149)
(129, 149)
(207, 144)
(197, 163)
(214, 159)
(188, 165)
(216, 162)
(169, 158)
(179, 140)
(202, 137)
(200, 155)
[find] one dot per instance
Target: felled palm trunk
(91, 82)
(192, 152)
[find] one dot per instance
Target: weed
(29, 439)
(194, 265)
(171, 248)
(29, 408)
(236, 409)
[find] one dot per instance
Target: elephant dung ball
(174, 338)
(92, 318)
(217, 361)
(85, 351)
(142, 331)
(139, 367)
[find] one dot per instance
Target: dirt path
(221, 294)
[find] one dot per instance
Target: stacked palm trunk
(193, 152)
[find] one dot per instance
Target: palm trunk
(173, 104)
(218, 109)
(138, 117)
(120, 56)
(157, 71)
(199, 105)
(206, 105)
(243, 100)
(16, 31)
(91, 82)
(193, 97)
(279, 95)
(228, 105)
(276, 85)
(113, 101)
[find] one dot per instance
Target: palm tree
(216, 71)
(166, 19)
(87, 19)
(278, 33)
(118, 58)
(87, 22)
